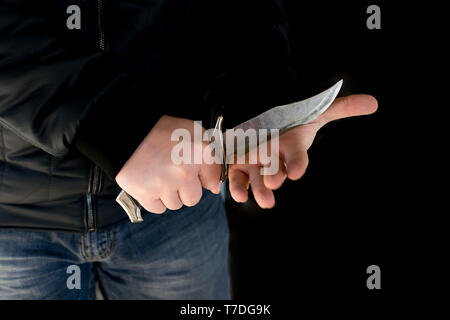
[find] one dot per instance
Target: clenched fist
(152, 178)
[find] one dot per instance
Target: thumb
(350, 106)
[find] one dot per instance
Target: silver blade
(291, 115)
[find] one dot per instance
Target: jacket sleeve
(47, 86)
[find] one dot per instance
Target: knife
(283, 118)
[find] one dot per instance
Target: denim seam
(86, 256)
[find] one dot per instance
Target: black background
(364, 199)
(371, 194)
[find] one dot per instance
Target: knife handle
(131, 206)
(218, 131)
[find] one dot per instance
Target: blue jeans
(180, 254)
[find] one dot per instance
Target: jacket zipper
(101, 25)
(95, 176)
(94, 187)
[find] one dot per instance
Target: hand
(293, 146)
(152, 178)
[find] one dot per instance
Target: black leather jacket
(76, 101)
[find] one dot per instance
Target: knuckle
(160, 210)
(151, 207)
(174, 206)
(195, 199)
(123, 180)
(120, 180)
(189, 202)
(192, 197)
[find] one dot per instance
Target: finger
(350, 106)
(209, 175)
(263, 196)
(274, 181)
(190, 193)
(239, 183)
(153, 205)
(171, 200)
(296, 160)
